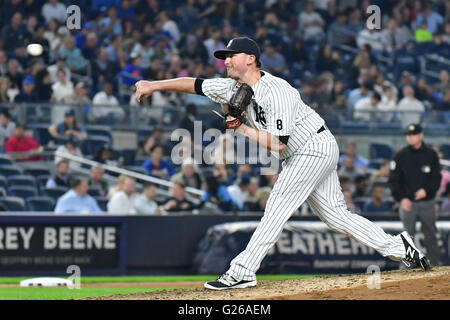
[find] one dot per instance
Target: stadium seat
(13, 203)
(376, 163)
(437, 129)
(36, 172)
(390, 202)
(351, 127)
(40, 203)
(91, 144)
(360, 201)
(171, 119)
(388, 128)
(94, 192)
(128, 156)
(99, 130)
(8, 170)
(380, 151)
(102, 202)
(432, 116)
(381, 180)
(143, 133)
(160, 199)
(41, 134)
(5, 159)
(54, 193)
(445, 149)
(23, 191)
(140, 160)
(41, 182)
(331, 118)
(22, 180)
(3, 182)
(3, 192)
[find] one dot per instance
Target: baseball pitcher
(280, 121)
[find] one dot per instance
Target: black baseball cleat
(414, 255)
(226, 281)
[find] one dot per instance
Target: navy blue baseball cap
(239, 45)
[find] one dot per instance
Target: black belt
(322, 128)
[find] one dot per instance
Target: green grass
(37, 293)
(134, 279)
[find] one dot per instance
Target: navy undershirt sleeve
(198, 86)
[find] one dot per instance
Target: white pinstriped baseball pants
(311, 175)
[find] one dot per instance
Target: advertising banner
(54, 243)
(304, 247)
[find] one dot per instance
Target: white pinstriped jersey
(276, 108)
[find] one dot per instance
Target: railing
(47, 113)
(389, 60)
(441, 62)
(143, 119)
(132, 174)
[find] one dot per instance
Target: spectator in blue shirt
(80, 37)
(111, 23)
(62, 178)
(132, 71)
(74, 58)
(76, 200)
(359, 161)
(219, 195)
(357, 94)
(115, 44)
(68, 128)
(125, 10)
(433, 19)
(376, 205)
(97, 4)
(156, 166)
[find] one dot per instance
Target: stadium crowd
(122, 41)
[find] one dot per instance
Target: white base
(45, 282)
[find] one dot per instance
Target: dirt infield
(405, 284)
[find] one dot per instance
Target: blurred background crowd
(323, 48)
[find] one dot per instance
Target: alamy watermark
(73, 21)
(373, 22)
(75, 278)
(374, 280)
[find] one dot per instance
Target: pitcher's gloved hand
(237, 107)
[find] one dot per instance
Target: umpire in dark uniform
(414, 178)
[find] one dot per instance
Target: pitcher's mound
(405, 284)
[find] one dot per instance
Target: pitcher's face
(236, 64)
